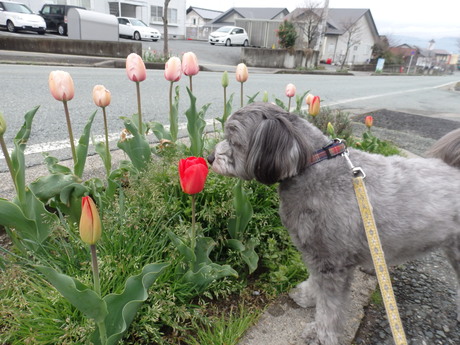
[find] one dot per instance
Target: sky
(430, 20)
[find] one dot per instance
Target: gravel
(425, 289)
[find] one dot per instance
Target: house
(229, 17)
(149, 11)
(349, 34)
(196, 22)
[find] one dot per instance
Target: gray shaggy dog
(416, 204)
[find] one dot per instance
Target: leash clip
(356, 171)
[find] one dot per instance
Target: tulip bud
(190, 64)
(90, 222)
(330, 130)
(192, 173)
(135, 68)
(101, 96)
(173, 69)
(368, 121)
(265, 97)
(309, 98)
(61, 85)
(290, 90)
(225, 79)
(2, 124)
(241, 73)
(313, 109)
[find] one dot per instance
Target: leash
(377, 254)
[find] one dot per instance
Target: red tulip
(313, 109)
(192, 173)
(173, 69)
(290, 90)
(135, 68)
(241, 73)
(101, 96)
(90, 222)
(61, 85)
(190, 64)
(368, 121)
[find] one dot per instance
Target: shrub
(287, 34)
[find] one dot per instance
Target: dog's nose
(211, 158)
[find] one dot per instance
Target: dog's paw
(302, 296)
(310, 335)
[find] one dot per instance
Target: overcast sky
(434, 19)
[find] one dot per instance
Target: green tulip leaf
(196, 125)
(227, 111)
(49, 186)
(53, 166)
(208, 273)
(101, 149)
(252, 98)
(137, 148)
(80, 296)
(122, 308)
(174, 115)
(248, 254)
(243, 212)
(159, 131)
(189, 255)
(11, 216)
(300, 101)
(82, 147)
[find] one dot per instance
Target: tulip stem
(69, 129)
(241, 95)
(97, 289)
(139, 112)
(8, 160)
(193, 232)
(191, 87)
(289, 105)
(224, 118)
(108, 162)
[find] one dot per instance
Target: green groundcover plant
(169, 264)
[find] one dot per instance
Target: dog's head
(262, 142)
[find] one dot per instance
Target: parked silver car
(229, 35)
(136, 29)
(15, 16)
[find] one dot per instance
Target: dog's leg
(453, 254)
(304, 293)
(331, 304)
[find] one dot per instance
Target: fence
(262, 33)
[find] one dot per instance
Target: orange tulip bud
(61, 85)
(135, 68)
(368, 121)
(101, 96)
(90, 222)
(173, 69)
(192, 173)
(290, 90)
(190, 64)
(309, 98)
(313, 109)
(241, 73)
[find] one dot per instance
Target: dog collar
(333, 149)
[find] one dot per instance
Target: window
(156, 14)
(172, 15)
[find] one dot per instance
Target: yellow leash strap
(378, 258)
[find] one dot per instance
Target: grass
(135, 234)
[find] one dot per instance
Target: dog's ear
(276, 150)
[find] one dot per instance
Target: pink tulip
(61, 85)
(313, 109)
(290, 90)
(241, 73)
(101, 96)
(135, 68)
(190, 64)
(309, 98)
(173, 69)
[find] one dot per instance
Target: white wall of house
(150, 11)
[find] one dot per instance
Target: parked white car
(15, 16)
(229, 35)
(136, 29)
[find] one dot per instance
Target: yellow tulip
(90, 222)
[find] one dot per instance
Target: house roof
(252, 13)
(204, 13)
(338, 19)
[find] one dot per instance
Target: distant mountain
(447, 43)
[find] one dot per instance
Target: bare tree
(165, 29)
(353, 37)
(308, 21)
